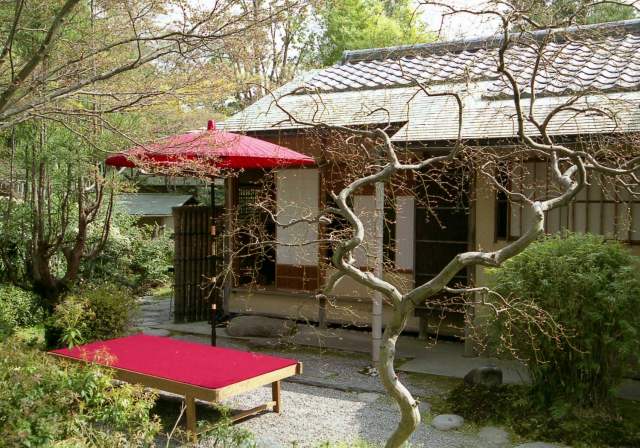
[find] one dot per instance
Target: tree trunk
(45, 284)
(409, 412)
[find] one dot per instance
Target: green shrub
(55, 403)
(591, 288)
(224, 434)
(131, 257)
(18, 308)
(99, 313)
(512, 406)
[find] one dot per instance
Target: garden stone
(493, 436)
(446, 422)
(488, 376)
(259, 326)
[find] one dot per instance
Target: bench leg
(191, 416)
(275, 393)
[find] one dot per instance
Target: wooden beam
(255, 382)
(253, 411)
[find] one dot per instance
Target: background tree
(578, 12)
(273, 52)
(83, 78)
(358, 24)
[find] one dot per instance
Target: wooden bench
(194, 371)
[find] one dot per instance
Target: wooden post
(178, 287)
(191, 416)
(275, 394)
(322, 313)
(378, 271)
(423, 328)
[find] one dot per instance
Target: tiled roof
(574, 60)
(332, 108)
(438, 120)
(378, 87)
(152, 204)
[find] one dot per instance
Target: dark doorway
(256, 257)
(441, 226)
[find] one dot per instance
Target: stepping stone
(493, 436)
(424, 407)
(540, 445)
(263, 442)
(259, 326)
(447, 422)
(368, 397)
(155, 331)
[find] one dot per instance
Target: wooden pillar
(378, 271)
(322, 313)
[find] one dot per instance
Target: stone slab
(452, 364)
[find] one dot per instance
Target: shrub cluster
(590, 288)
(18, 308)
(616, 425)
(132, 256)
(52, 403)
(97, 313)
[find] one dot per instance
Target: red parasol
(188, 153)
(212, 147)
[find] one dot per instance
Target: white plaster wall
(297, 197)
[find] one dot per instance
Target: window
(601, 207)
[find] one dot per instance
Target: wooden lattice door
(197, 260)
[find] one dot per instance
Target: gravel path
(312, 415)
(333, 402)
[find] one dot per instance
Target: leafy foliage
(358, 24)
(577, 11)
(131, 256)
(591, 288)
(51, 403)
(18, 308)
(99, 313)
(513, 406)
(224, 434)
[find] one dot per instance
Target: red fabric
(186, 362)
(213, 148)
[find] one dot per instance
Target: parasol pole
(214, 231)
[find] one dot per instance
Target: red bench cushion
(186, 362)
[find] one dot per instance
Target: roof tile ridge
(474, 44)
